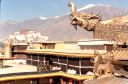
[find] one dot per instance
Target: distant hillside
(59, 28)
(105, 11)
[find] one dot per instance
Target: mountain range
(59, 28)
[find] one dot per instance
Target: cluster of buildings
(57, 61)
(26, 37)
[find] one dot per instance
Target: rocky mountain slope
(59, 28)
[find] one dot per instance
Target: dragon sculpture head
(86, 21)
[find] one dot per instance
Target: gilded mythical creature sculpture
(108, 65)
(86, 21)
(100, 67)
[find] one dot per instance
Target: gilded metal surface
(86, 21)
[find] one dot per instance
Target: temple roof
(119, 54)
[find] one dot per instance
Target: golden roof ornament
(86, 21)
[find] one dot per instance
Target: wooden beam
(61, 81)
(121, 62)
(70, 81)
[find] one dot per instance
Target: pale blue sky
(19, 10)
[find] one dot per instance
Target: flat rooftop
(19, 72)
(66, 53)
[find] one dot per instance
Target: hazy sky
(25, 9)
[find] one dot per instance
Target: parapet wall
(111, 32)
